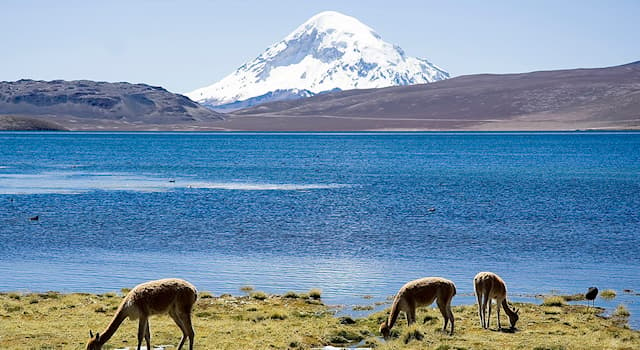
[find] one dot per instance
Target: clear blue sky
(184, 45)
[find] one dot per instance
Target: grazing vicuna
(421, 292)
(489, 286)
(173, 296)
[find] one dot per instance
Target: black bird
(592, 293)
(34, 218)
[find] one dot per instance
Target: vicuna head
(94, 342)
(385, 330)
(513, 318)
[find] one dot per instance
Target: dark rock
(347, 320)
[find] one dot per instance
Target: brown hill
(601, 98)
(90, 105)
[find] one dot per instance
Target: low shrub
(205, 295)
(412, 333)
(315, 293)
(621, 311)
(554, 300)
(608, 294)
(291, 295)
(259, 295)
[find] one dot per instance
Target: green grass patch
(276, 322)
(14, 295)
(554, 300)
(573, 297)
(315, 293)
(362, 307)
(205, 295)
(277, 315)
(621, 311)
(49, 295)
(291, 294)
(412, 333)
(608, 294)
(259, 295)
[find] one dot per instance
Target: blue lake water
(351, 213)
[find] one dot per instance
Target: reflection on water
(80, 182)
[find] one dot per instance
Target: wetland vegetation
(62, 321)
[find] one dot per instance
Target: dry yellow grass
(540, 327)
(55, 321)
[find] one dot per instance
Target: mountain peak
(331, 20)
(336, 28)
(330, 51)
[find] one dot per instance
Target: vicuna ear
(90, 334)
(98, 336)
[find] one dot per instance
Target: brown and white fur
(173, 296)
(489, 286)
(421, 292)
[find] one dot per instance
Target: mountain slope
(329, 51)
(548, 100)
(76, 104)
(10, 122)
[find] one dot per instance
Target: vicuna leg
(176, 318)
(451, 318)
(498, 306)
(445, 310)
(142, 329)
(188, 330)
(184, 323)
(147, 335)
(411, 315)
(488, 317)
(486, 302)
(480, 309)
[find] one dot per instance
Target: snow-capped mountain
(329, 52)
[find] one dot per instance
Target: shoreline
(300, 321)
(381, 131)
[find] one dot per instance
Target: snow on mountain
(330, 51)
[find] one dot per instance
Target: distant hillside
(602, 98)
(83, 104)
(10, 122)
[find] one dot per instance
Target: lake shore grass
(62, 321)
